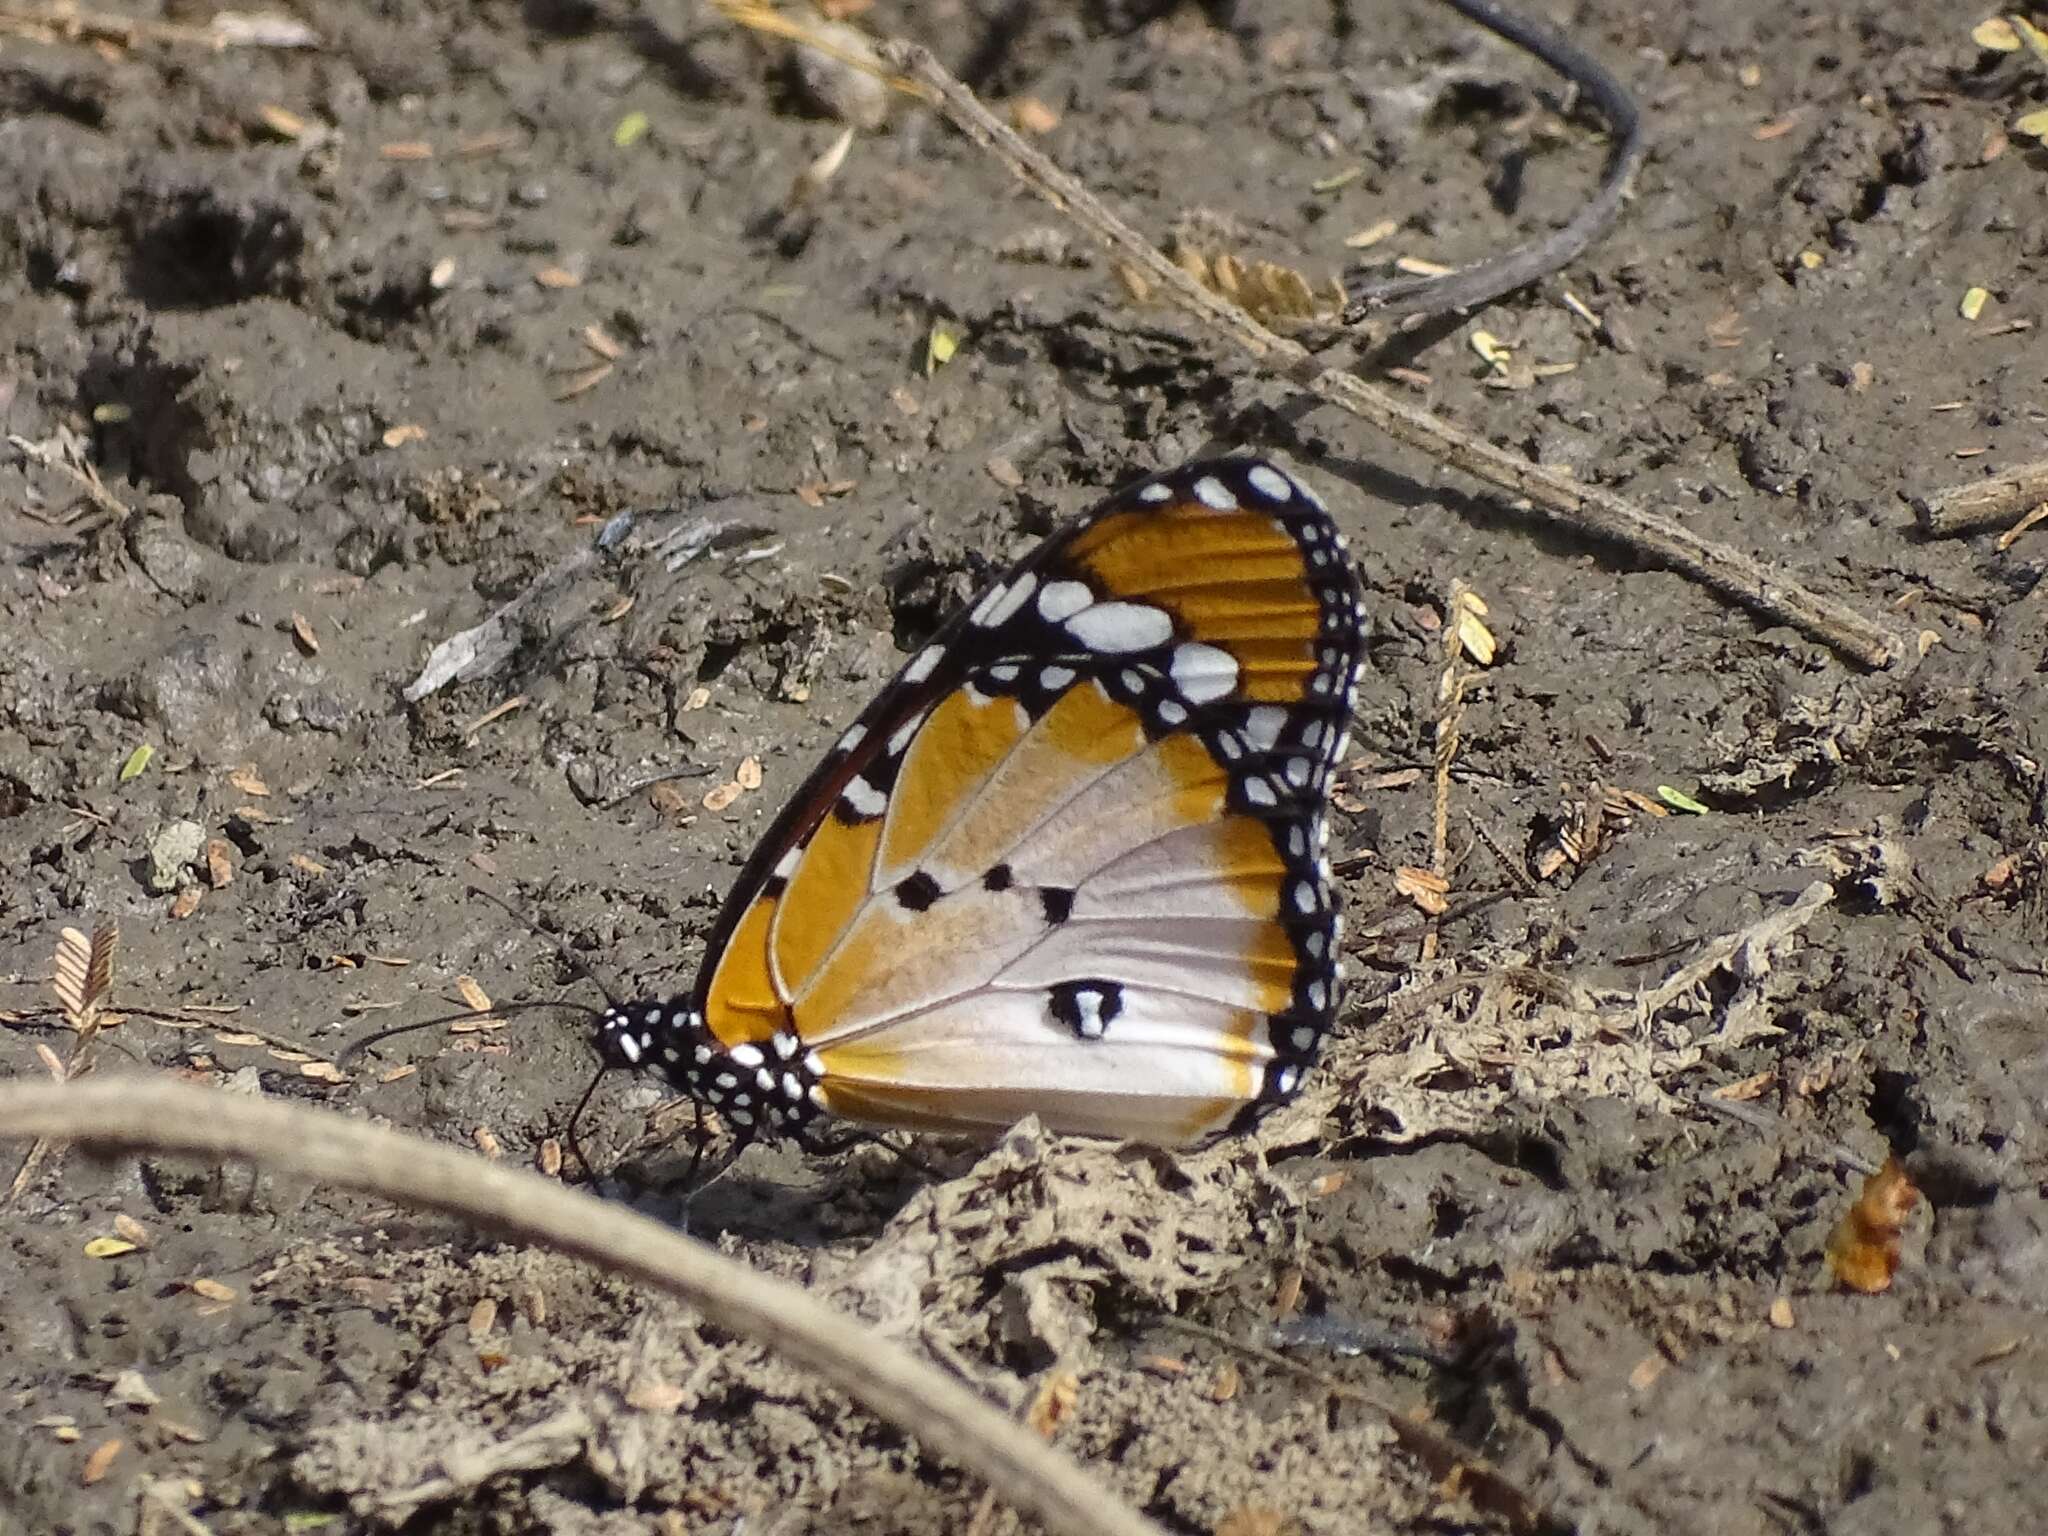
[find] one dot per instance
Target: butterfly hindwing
(1069, 862)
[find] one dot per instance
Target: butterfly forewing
(1069, 862)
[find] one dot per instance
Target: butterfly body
(1069, 862)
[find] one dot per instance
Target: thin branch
(1586, 510)
(155, 1115)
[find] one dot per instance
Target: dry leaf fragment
(1372, 234)
(748, 774)
(1425, 888)
(220, 863)
(557, 277)
(186, 902)
(1003, 472)
(1996, 34)
(722, 796)
(1053, 1402)
(1647, 1370)
(582, 380)
(483, 1317)
(281, 121)
(487, 1143)
(1227, 1381)
(647, 1396)
(108, 1248)
(1863, 1250)
(100, 1462)
(1287, 1294)
(322, 1072)
(306, 864)
(1030, 115)
(84, 971)
(1747, 1088)
(473, 995)
(249, 782)
(1973, 302)
(549, 1158)
(817, 175)
(1781, 1313)
(128, 1227)
(210, 1290)
(403, 433)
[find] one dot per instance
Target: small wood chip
(305, 864)
(487, 1143)
(1781, 1312)
(249, 782)
(549, 1158)
(1030, 115)
(473, 995)
(131, 1230)
(322, 1072)
(406, 149)
(403, 433)
(1227, 1381)
(722, 796)
(211, 1290)
(220, 863)
(1287, 1294)
(557, 277)
(582, 380)
(1647, 1370)
(282, 121)
(302, 631)
(186, 902)
(483, 1317)
(748, 774)
(1003, 472)
(100, 1462)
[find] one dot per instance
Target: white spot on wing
(1019, 593)
(786, 865)
(988, 604)
(1156, 493)
(1120, 627)
(1203, 672)
(855, 735)
(1061, 600)
(923, 664)
(1269, 482)
(1262, 726)
(1214, 494)
(864, 798)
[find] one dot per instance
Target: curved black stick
(1485, 281)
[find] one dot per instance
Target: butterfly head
(765, 1087)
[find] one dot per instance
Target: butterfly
(1070, 860)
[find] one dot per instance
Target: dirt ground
(364, 340)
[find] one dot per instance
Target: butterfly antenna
(496, 1010)
(577, 966)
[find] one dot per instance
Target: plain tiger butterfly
(1070, 861)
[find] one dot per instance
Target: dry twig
(944, 1415)
(1587, 510)
(1982, 503)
